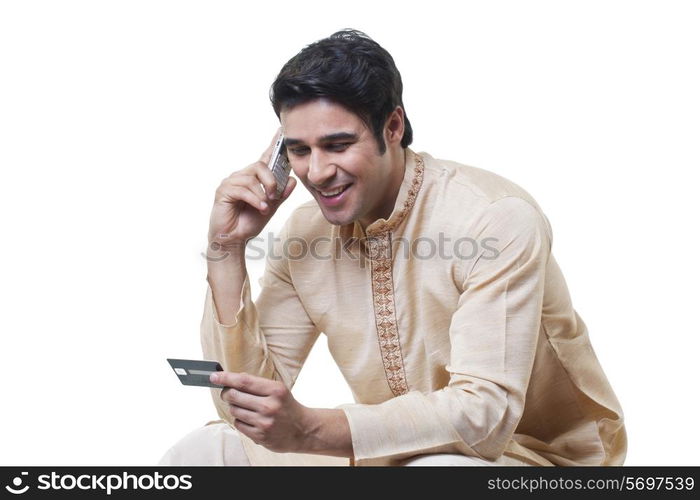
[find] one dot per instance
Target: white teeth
(333, 193)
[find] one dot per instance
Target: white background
(119, 119)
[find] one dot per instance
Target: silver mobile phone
(279, 164)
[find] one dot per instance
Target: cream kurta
(451, 322)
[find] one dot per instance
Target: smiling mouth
(335, 192)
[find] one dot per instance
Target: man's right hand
(242, 207)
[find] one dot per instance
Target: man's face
(332, 151)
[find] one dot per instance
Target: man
(470, 353)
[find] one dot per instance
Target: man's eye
(338, 146)
(298, 151)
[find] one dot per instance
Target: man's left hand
(266, 411)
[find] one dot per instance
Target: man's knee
(447, 459)
(217, 443)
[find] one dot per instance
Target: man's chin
(339, 222)
(337, 219)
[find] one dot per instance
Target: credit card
(195, 372)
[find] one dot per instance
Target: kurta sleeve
(269, 338)
(493, 336)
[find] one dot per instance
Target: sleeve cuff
(401, 427)
(245, 300)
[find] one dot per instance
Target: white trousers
(217, 443)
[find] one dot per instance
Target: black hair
(348, 68)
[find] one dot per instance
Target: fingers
(244, 415)
(249, 430)
(257, 177)
(244, 188)
(265, 177)
(244, 400)
(256, 405)
(250, 384)
(256, 184)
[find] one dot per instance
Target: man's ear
(394, 127)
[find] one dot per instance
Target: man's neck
(398, 168)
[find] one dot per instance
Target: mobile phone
(195, 372)
(279, 164)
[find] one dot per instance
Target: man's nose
(320, 169)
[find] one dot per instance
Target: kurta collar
(410, 186)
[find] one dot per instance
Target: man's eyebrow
(338, 136)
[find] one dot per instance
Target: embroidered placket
(380, 253)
